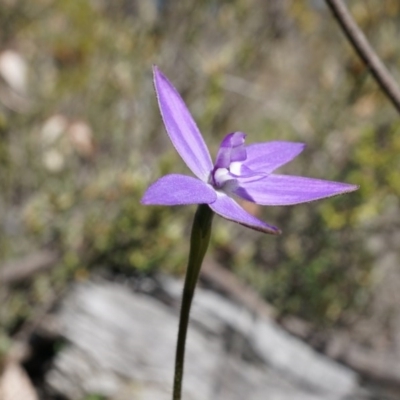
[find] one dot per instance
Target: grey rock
(122, 345)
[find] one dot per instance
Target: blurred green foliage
(79, 146)
(95, 397)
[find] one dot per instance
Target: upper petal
(285, 190)
(228, 208)
(268, 156)
(178, 189)
(181, 128)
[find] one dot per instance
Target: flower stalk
(199, 240)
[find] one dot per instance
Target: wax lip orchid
(239, 170)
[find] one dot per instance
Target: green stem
(200, 237)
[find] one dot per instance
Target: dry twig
(19, 270)
(360, 43)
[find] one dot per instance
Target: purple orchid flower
(239, 170)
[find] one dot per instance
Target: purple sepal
(181, 128)
(177, 189)
(286, 190)
(228, 208)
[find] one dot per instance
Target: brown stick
(360, 43)
(16, 271)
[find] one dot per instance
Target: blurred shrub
(79, 147)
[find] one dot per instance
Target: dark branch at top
(365, 51)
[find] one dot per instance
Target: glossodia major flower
(239, 170)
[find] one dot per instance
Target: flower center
(230, 157)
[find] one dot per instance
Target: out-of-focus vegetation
(81, 138)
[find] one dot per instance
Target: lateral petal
(227, 208)
(181, 128)
(268, 156)
(286, 190)
(178, 189)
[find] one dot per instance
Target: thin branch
(365, 51)
(25, 268)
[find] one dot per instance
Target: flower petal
(177, 189)
(181, 128)
(229, 209)
(286, 190)
(266, 157)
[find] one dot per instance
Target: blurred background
(81, 138)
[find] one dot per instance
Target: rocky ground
(116, 340)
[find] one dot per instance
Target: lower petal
(177, 189)
(228, 208)
(285, 190)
